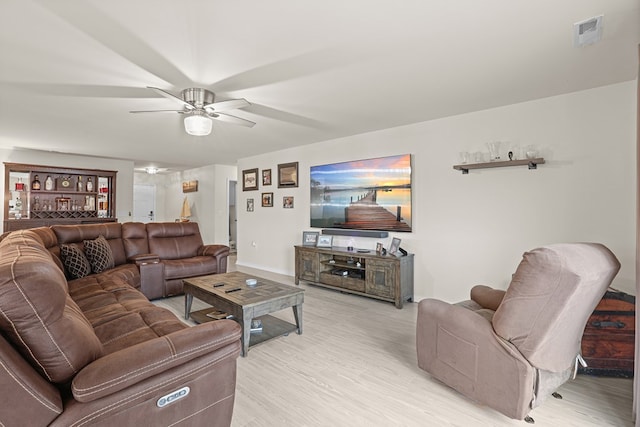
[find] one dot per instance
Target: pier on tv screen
(371, 194)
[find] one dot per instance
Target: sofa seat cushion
(121, 316)
(189, 267)
(38, 315)
(126, 272)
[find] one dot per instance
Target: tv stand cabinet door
(380, 278)
(307, 265)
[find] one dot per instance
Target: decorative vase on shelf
(494, 151)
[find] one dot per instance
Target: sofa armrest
(213, 250)
(219, 252)
(124, 368)
(143, 258)
(487, 297)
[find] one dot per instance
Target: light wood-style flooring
(355, 365)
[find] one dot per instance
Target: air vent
(587, 32)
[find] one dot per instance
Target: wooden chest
(608, 341)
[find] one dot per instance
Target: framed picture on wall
(267, 200)
(288, 175)
(287, 202)
(249, 179)
(266, 176)
(249, 205)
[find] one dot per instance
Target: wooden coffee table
(229, 292)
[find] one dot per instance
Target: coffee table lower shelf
(272, 327)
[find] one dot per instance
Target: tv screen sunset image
(372, 194)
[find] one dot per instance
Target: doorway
(233, 217)
(144, 203)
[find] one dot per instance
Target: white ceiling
(70, 71)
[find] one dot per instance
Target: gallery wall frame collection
(287, 178)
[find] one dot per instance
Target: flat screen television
(372, 194)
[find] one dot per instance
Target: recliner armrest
(487, 297)
(124, 368)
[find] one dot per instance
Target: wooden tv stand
(384, 277)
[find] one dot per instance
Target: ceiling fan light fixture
(198, 124)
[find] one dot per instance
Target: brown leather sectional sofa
(94, 350)
(163, 252)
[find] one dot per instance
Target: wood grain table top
(233, 288)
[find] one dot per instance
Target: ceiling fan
(199, 108)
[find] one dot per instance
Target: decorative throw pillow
(99, 254)
(76, 264)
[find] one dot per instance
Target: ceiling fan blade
(171, 97)
(232, 119)
(93, 22)
(158, 111)
(231, 104)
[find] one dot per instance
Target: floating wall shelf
(531, 163)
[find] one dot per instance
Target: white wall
(124, 178)
(470, 229)
(209, 206)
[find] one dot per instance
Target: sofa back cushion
(134, 237)
(552, 294)
(174, 240)
(37, 315)
(50, 241)
(78, 234)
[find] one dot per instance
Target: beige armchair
(510, 350)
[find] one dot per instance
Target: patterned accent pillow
(75, 262)
(99, 254)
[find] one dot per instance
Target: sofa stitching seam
(143, 370)
(37, 315)
(45, 402)
(90, 417)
